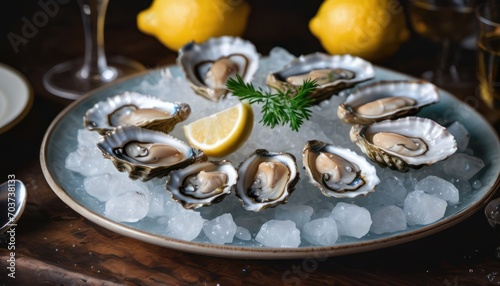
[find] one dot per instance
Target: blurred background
(60, 37)
(271, 23)
(266, 28)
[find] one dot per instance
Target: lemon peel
(178, 22)
(371, 29)
(221, 133)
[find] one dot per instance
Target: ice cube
(352, 220)
(279, 233)
(300, 214)
(278, 58)
(92, 165)
(172, 208)
(105, 186)
(440, 188)
(390, 191)
(388, 219)
(130, 206)
(74, 160)
(84, 162)
(87, 139)
(243, 233)
(463, 166)
(436, 169)
(87, 159)
(185, 226)
(156, 204)
(322, 231)
(421, 208)
(461, 135)
(221, 229)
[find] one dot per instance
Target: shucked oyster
(208, 65)
(132, 108)
(266, 179)
(338, 172)
(145, 153)
(332, 73)
(387, 100)
(405, 142)
(202, 183)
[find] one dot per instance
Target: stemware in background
(74, 78)
(488, 53)
(447, 22)
(492, 213)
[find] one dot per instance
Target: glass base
(451, 79)
(65, 80)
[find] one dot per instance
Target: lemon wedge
(221, 133)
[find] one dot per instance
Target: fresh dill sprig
(291, 106)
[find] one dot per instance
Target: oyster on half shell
(132, 108)
(387, 100)
(338, 172)
(405, 142)
(333, 73)
(266, 179)
(145, 153)
(202, 184)
(208, 65)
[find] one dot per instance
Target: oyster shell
(333, 73)
(338, 172)
(266, 179)
(145, 153)
(405, 142)
(202, 184)
(387, 100)
(132, 108)
(208, 65)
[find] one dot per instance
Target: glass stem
(95, 66)
(446, 66)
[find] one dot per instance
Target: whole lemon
(371, 29)
(177, 22)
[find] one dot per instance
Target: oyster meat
(332, 73)
(266, 179)
(132, 108)
(321, 76)
(405, 142)
(154, 154)
(208, 65)
(145, 153)
(202, 184)
(338, 172)
(387, 100)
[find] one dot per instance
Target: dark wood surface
(55, 245)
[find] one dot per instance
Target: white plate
(16, 97)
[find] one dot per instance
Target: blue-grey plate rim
(469, 117)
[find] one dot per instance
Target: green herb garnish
(292, 106)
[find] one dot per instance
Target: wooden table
(55, 245)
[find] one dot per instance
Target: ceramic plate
(61, 139)
(16, 97)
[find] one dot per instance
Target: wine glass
(447, 22)
(492, 213)
(74, 78)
